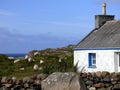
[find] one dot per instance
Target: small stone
(106, 79)
(88, 87)
(17, 60)
(34, 77)
(84, 75)
(18, 87)
(35, 67)
(93, 74)
(26, 79)
(101, 89)
(99, 85)
(4, 80)
(41, 76)
(92, 88)
(118, 76)
(19, 81)
(37, 82)
(116, 87)
(97, 79)
(98, 74)
(31, 81)
(113, 82)
(8, 85)
(114, 75)
(107, 84)
(114, 79)
(105, 74)
(9, 81)
(85, 79)
(89, 82)
(26, 85)
(89, 75)
(14, 79)
(109, 88)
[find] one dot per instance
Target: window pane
(94, 61)
(93, 58)
(119, 59)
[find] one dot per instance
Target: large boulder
(63, 81)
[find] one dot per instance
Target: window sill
(92, 67)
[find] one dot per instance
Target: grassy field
(51, 63)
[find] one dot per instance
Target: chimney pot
(100, 20)
(104, 9)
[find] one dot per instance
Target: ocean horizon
(15, 55)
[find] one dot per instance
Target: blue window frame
(92, 60)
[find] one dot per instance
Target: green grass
(51, 63)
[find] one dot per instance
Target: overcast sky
(26, 25)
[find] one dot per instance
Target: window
(119, 59)
(92, 60)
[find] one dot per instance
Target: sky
(27, 25)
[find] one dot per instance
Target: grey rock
(98, 74)
(26, 79)
(14, 79)
(26, 85)
(102, 89)
(41, 76)
(109, 88)
(4, 80)
(7, 85)
(19, 81)
(98, 79)
(37, 82)
(92, 88)
(18, 87)
(105, 74)
(63, 81)
(3, 88)
(107, 84)
(89, 82)
(106, 79)
(116, 87)
(30, 89)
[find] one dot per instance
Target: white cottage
(100, 49)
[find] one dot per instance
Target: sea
(18, 55)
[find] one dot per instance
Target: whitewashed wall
(104, 60)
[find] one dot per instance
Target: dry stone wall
(64, 81)
(101, 80)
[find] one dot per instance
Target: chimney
(104, 9)
(101, 19)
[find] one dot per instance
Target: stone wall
(27, 83)
(101, 80)
(64, 81)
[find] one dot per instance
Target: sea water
(16, 55)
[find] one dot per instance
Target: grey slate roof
(107, 36)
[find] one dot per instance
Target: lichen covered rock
(63, 81)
